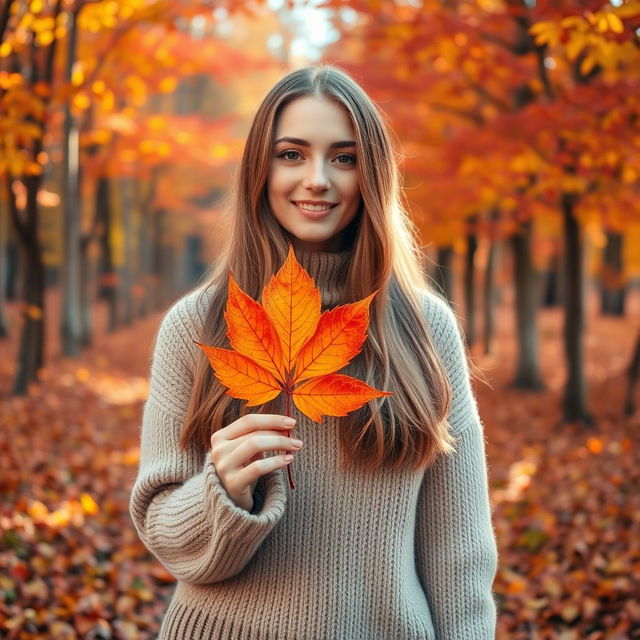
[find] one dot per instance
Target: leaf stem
(292, 486)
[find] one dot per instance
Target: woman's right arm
(179, 507)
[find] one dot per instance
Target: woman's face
(313, 160)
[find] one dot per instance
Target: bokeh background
(517, 126)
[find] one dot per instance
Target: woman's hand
(237, 453)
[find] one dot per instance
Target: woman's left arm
(456, 552)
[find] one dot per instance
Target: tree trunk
(490, 297)
(194, 268)
(470, 289)
(443, 273)
(14, 272)
(126, 280)
(86, 278)
(169, 269)
(144, 273)
(613, 288)
(158, 259)
(107, 276)
(4, 246)
(71, 325)
(528, 367)
(31, 349)
(633, 376)
(552, 292)
(575, 394)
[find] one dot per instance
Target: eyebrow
(303, 143)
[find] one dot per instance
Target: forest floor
(565, 499)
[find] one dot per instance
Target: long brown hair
(406, 428)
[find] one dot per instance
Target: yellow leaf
(167, 85)
(587, 64)
(540, 27)
(101, 137)
(108, 100)
(88, 504)
(77, 75)
(38, 510)
(615, 24)
(5, 49)
(571, 21)
(81, 101)
(60, 517)
(549, 36)
(45, 38)
(147, 146)
(109, 22)
(33, 169)
(219, 151)
(157, 123)
(16, 166)
(575, 45)
(26, 21)
(591, 17)
(98, 87)
(602, 24)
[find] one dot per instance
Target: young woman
(388, 534)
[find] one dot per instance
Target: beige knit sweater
(357, 556)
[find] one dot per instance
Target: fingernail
(289, 422)
(288, 458)
(296, 443)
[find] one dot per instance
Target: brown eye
(286, 153)
(350, 159)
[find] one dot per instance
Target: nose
(317, 178)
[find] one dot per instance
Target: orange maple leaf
(286, 345)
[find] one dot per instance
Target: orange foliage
(284, 341)
(504, 107)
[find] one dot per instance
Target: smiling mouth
(313, 208)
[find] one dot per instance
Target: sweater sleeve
(178, 505)
(456, 551)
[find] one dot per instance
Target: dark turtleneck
(328, 270)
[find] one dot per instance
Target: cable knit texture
(345, 556)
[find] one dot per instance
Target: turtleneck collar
(328, 270)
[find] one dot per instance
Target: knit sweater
(356, 555)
